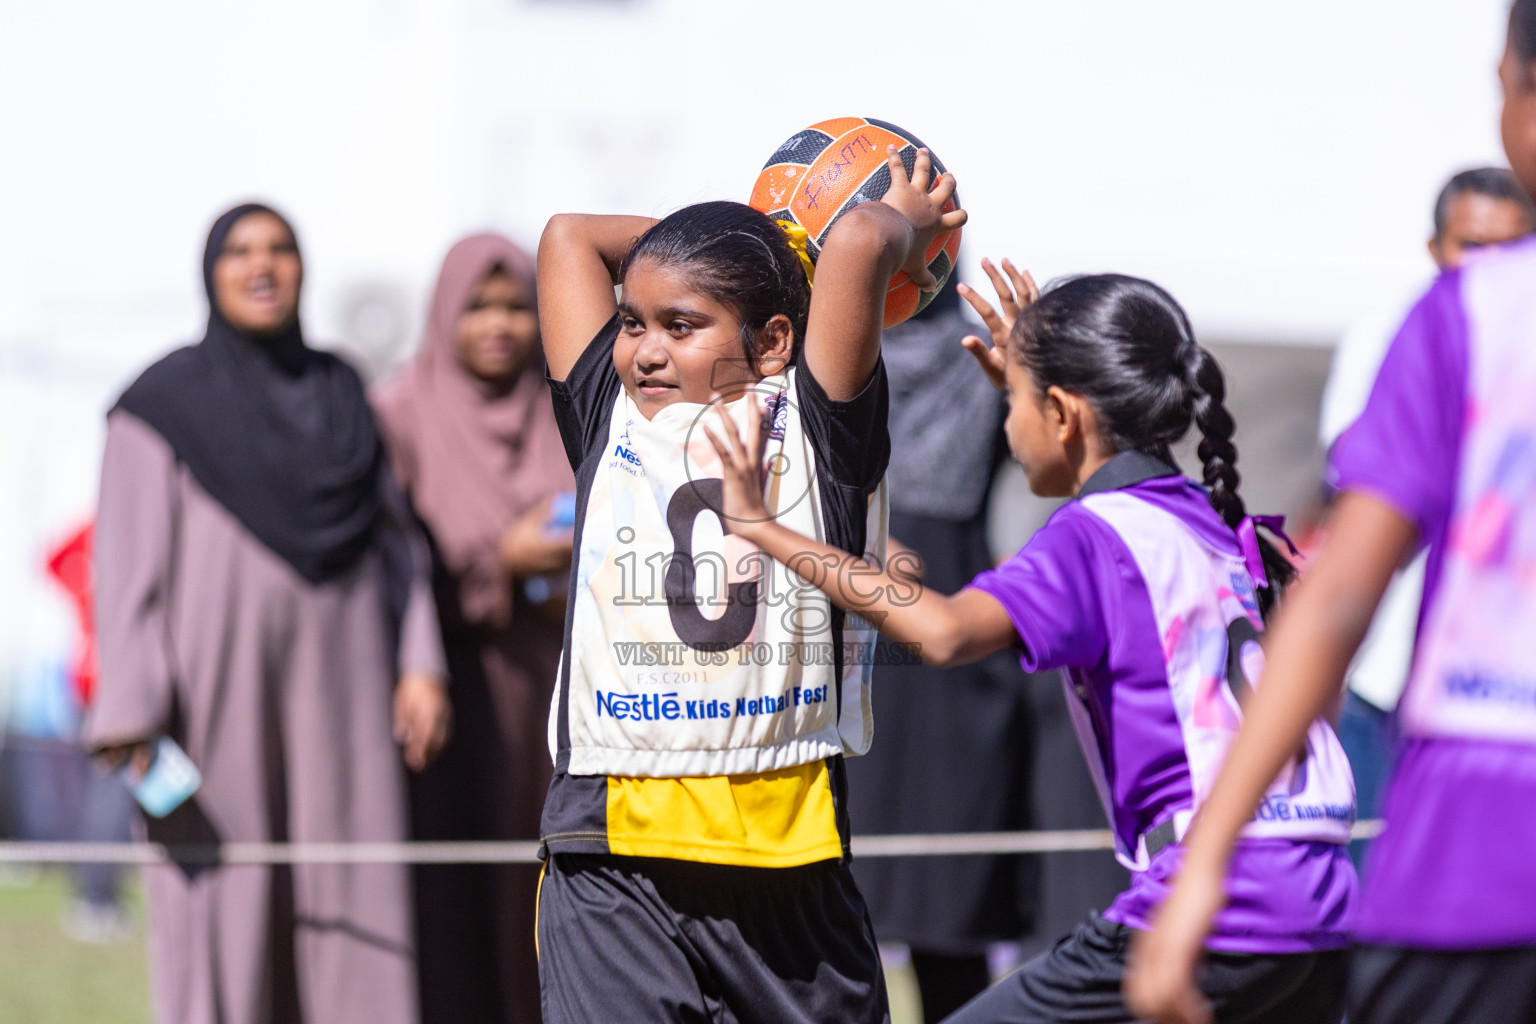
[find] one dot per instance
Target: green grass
(901, 987)
(48, 978)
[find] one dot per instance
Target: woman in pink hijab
(472, 435)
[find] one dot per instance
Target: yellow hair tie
(800, 241)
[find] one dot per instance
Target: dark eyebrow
(666, 313)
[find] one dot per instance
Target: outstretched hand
(741, 465)
(1014, 293)
(923, 209)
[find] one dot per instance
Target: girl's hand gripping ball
(822, 172)
(930, 213)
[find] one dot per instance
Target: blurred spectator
(1475, 208)
(259, 591)
(955, 745)
(473, 438)
(101, 808)
(51, 792)
(1481, 207)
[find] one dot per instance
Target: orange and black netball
(822, 172)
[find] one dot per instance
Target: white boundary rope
(526, 852)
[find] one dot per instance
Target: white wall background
(1273, 165)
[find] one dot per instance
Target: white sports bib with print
(693, 653)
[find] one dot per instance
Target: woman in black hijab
(260, 592)
(278, 433)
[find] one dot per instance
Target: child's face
(675, 344)
(1035, 435)
(1517, 124)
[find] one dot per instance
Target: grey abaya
(280, 691)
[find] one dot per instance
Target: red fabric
(70, 565)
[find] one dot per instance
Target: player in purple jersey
(1442, 457)
(1146, 592)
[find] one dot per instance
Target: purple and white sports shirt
(1138, 592)
(1448, 439)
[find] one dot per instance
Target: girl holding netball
(1147, 591)
(1444, 456)
(695, 828)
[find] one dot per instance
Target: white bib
(692, 652)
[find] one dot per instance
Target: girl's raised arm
(865, 247)
(579, 258)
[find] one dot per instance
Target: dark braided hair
(1127, 348)
(736, 256)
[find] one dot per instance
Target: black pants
(947, 983)
(1396, 986)
(652, 941)
(1079, 981)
